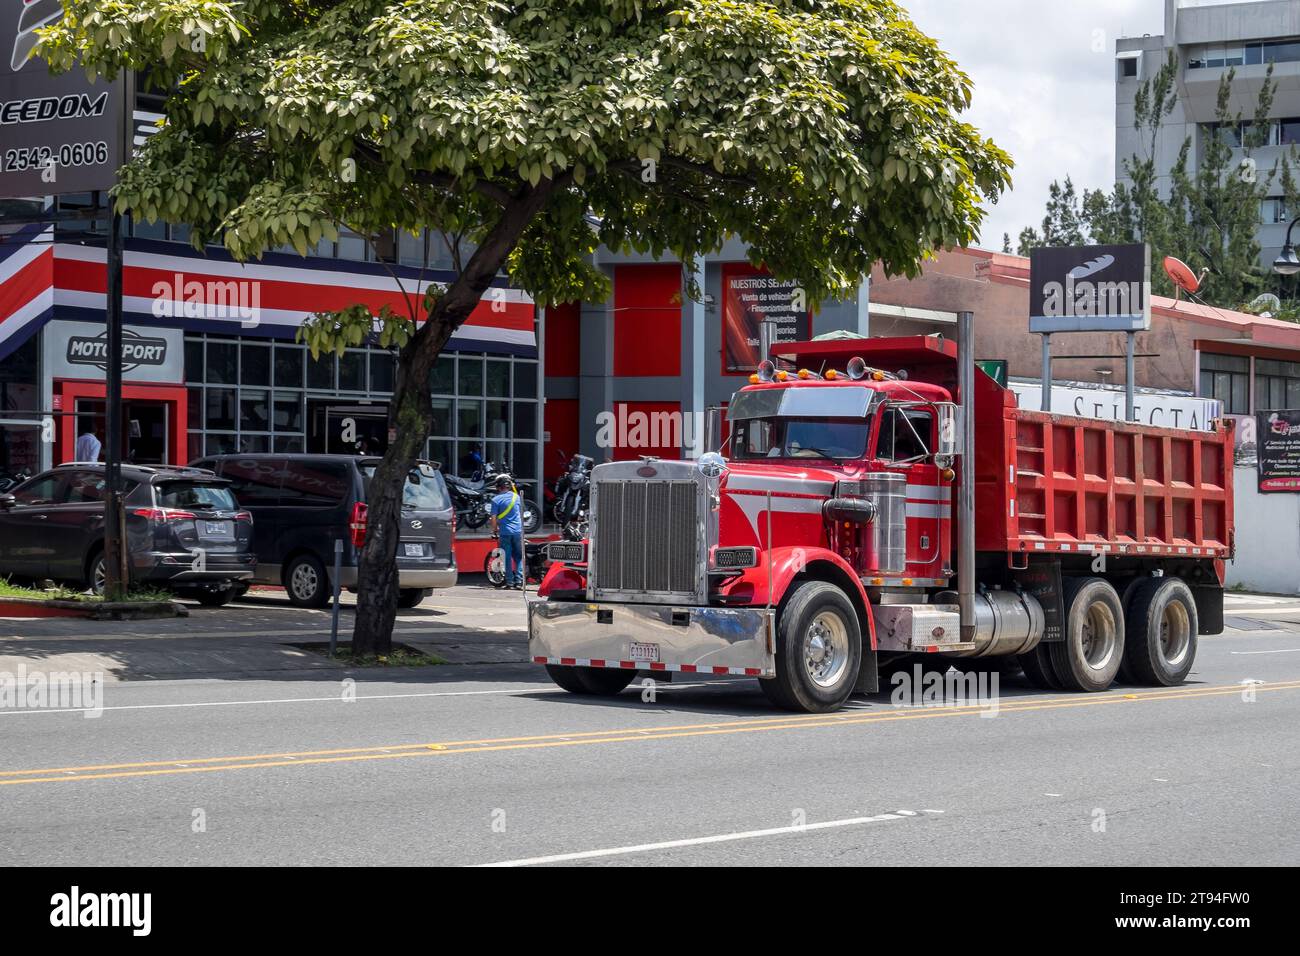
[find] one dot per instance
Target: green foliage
(824, 133)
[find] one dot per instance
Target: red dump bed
(1047, 482)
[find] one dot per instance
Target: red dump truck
(883, 503)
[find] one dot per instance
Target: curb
(91, 610)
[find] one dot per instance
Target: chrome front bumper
(692, 640)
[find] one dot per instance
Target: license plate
(216, 527)
(415, 550)
(644, 652)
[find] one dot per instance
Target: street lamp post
(1287, 263)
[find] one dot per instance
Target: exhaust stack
(966, 487)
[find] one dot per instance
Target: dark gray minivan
(302, 503)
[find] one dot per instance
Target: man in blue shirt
(508, 524)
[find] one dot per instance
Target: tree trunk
(411, 416)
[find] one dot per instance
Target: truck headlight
(735, 559)
(566, 552)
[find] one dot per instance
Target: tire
(818, 650)
(411, 597)
(1162, 626)
(215, 598)
(531, 518)
(96, 572)
(306, 583)
(494, 566)
(476, 516)
(1089, 657)
(590, 681)
(1037, 665)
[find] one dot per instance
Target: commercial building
(211, 361)
(1208, 38)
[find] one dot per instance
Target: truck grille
(646, 538)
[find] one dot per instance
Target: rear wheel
(476, 515)
(531, 518)
(1161, 635)
(494, 566)
(411, 597)
(1089, 657)
(215, 598)
(818, 650)
(97, 572)
(1037, 665)
(306, 583)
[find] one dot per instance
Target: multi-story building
(1209, 38)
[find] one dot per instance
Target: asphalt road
(483, 764)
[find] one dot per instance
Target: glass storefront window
(288, 366)
(471, 376)
(469, 419)
(288, 412)
(222, 363)
(498, 379)
(498, 420)
(525, 379)
(352, 372)
(382, 365)
(194, 408)
(254, 411)
(525, 420)
(220, 409)
(320, 373)
(442, 416)
(254, 364)
(193, 360)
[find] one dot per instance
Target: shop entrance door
(145, 428)
(338, 429)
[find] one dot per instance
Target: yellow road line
(578, 738)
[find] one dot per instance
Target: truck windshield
(832, 438)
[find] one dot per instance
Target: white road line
(337, 698)
(1252, 611)
(1281, 650)
(702, 841)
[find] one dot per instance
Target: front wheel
(590, 681)
(476, 516)
(818, 650)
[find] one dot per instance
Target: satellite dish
(1182, 276)
(1267, 301)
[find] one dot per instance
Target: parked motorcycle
(474, 504)
(572, 498)
(534, 564)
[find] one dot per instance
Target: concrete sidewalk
(468, 624)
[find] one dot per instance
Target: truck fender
(789, 563)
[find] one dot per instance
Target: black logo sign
(1090, 289)
(137, 350)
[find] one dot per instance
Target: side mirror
(949, 443)
(7, 501)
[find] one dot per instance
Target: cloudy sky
(1044, 87)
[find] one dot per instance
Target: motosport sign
(58, 134)
(1090, 289)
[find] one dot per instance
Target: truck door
(905, 443)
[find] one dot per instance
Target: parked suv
(303, 503)
(184, 530)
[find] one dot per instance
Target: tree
(825, 134)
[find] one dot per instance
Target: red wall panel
(648, 319)
(560, 420)
(562, 339)
(646, 428)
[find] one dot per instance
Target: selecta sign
(58, 134)
(1090, 289)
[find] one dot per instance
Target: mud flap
(868, 675)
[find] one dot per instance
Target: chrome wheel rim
(304, 581)
(99, 576)
(826, 649)
(1099, 636)
(1175, 634)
